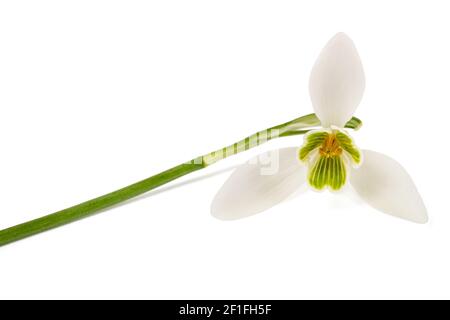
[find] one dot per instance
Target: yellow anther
(330, 146)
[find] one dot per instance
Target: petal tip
(341, 37)
(418, 220)
(424, 221)
(342, 40)
(219, 212)
(421, 218)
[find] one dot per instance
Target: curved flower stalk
(329, 157)
(297, 126)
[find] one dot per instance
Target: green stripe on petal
(328, 171)
(347, 145)
(312, 141)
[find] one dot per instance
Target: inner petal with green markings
(327, 154)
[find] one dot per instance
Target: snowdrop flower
(329, 158)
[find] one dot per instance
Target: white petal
(336, 84)
(259, 185)
(384, 184)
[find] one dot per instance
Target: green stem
(295, 127)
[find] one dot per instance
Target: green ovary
(329, 167)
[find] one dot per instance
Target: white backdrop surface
(95, 95)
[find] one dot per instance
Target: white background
(95, 95)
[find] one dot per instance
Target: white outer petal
(384, 184)
(250, 190)
(336, 84)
